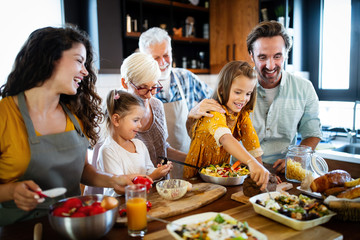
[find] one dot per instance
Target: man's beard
(166, 74)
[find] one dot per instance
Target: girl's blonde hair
(226, 77)
(121, 103)
(140, 68)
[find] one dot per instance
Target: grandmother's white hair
(140, 68)
(152, 36)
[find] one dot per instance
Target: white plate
(310, 193)
(290, 222)
(54, 192)
(201, 218)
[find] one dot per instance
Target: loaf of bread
(350, 193)
(334, 191)
(335, 178)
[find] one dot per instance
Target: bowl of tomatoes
(84, 217)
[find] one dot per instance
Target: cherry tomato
(84, 209)
(78, 214)
(143, 180)
(73, 203)
(122, 212)
(61, 211)
(148, 205)
(96, 210)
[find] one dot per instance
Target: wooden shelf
(199, 71)
(133, 34)
(190, 6)
(175, 38)
(190, 39)
(178, 4)
(162, 2)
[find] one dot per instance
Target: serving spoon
(51, 193)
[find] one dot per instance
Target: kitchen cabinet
(231, 21)
(190, 50)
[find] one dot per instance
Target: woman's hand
(258, 173)
(24, 195)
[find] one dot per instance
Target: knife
(165, 159)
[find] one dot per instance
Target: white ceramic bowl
(172, 189)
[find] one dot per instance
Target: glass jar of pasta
(302, 165)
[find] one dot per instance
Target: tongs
(164, 161)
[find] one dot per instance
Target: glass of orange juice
(136, 210)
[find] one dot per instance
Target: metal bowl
(224, 181)
(90, 227)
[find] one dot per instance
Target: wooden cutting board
(200, 195)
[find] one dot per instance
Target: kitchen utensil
(52, 193)
(165, 159)
(38, 231)
(267, 190)
(90, 227)
(162, 220)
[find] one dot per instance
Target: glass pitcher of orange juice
(136, 210)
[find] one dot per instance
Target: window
(18, 18)
(339, 74)
(336, 44)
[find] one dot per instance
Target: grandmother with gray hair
(140, 75)
(182, 90)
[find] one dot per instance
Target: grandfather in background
(182, 89)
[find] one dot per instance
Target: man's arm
(311, 142)
(202, 109)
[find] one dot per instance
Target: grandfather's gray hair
(152, 36)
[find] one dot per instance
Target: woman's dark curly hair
(35, 63)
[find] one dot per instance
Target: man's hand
(204, 107)
(279, 165)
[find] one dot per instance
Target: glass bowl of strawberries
(84, 217)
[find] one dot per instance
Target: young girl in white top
(121, 153)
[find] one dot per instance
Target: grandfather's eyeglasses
(144, 91)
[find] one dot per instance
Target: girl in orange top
(214, 139)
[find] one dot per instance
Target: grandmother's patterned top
(205, 148)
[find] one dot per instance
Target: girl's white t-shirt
(115, 159)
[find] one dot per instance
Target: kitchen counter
(334, 229)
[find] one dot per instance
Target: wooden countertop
(334, 229)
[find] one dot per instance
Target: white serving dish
(171, 227)
(290, 222)
(310, 193)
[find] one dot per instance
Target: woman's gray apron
(57, 160)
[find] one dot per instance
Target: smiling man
(286, 104)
